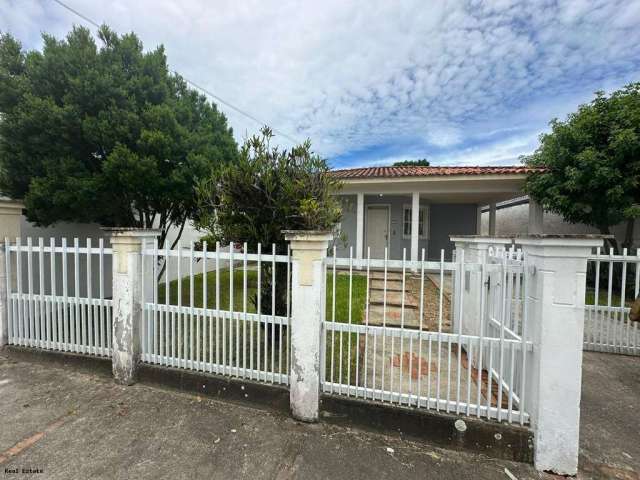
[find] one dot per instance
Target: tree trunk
(612, 243)
(628, 234)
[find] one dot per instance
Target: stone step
(392, 285)
(379, 274)
(377, 297)
(393, 317)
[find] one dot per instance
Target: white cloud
(351, 75)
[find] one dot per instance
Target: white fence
(612, 286)
(214, 317)
(415, 345)
(53, 300)
(456, 336)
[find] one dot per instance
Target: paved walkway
(404, 365)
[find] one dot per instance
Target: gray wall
(450, 219)
(396, 240)
(515, 219)
(445, 220)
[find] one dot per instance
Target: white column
(127, 301)
(492, 219)
(479, 220)
(555, 277)
(536, 218)
(10, 220)
(415, 220)
(308, 249)
(360, 226)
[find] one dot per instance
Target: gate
(439, 335)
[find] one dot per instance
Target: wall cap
(132, 232)
(567, 240)
(483, 239)
(308, 235)
(11, 207)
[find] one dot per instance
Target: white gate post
(308, 249)
(555, 277)
(127, 301)
(10, 221)
(476, 248)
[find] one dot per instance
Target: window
(423, 222)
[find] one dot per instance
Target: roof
(414, 171)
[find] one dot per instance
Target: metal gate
(441, 335)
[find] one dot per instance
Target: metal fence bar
(409, 341)
(43, 315)
(228, 338)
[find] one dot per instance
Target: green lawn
(349, 342)
(603, 298)
(341, 310)
(224, 292)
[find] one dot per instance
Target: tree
(105, 134)
(591, 164)
(266, 191)
(423, 162)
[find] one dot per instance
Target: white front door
(377, 230)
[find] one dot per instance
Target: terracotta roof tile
(394, 172)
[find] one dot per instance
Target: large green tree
(591, 164)
(266, 191)
(104, 134)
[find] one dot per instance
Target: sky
(374, 82)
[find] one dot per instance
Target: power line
(195, 85)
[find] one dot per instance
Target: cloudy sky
(372, 82)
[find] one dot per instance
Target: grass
(224, 292)
(347, 357)
(603, 298)
(341, 307)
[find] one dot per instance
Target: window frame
(424, 212)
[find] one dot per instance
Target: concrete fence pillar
(308, 249)
(127, 301)
(10, 224)
(555, 277)
(476, 250)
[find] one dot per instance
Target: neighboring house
(512, 217)
(416, 208)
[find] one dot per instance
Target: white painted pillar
(10, 220)
(555, 276)
(415, 222)
(492, 219)
(127, 300)
(360, 226)
(308, 249)
(475, 249)
(479, 220)
(536, 218)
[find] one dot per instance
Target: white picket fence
(613, 284)
(415, 345)
(225, 328)
(56, 295)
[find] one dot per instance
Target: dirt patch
(431, 304)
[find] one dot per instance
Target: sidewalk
(74, 424)
(80, 425)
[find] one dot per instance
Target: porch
(411, 209)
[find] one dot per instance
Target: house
(413, 208)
